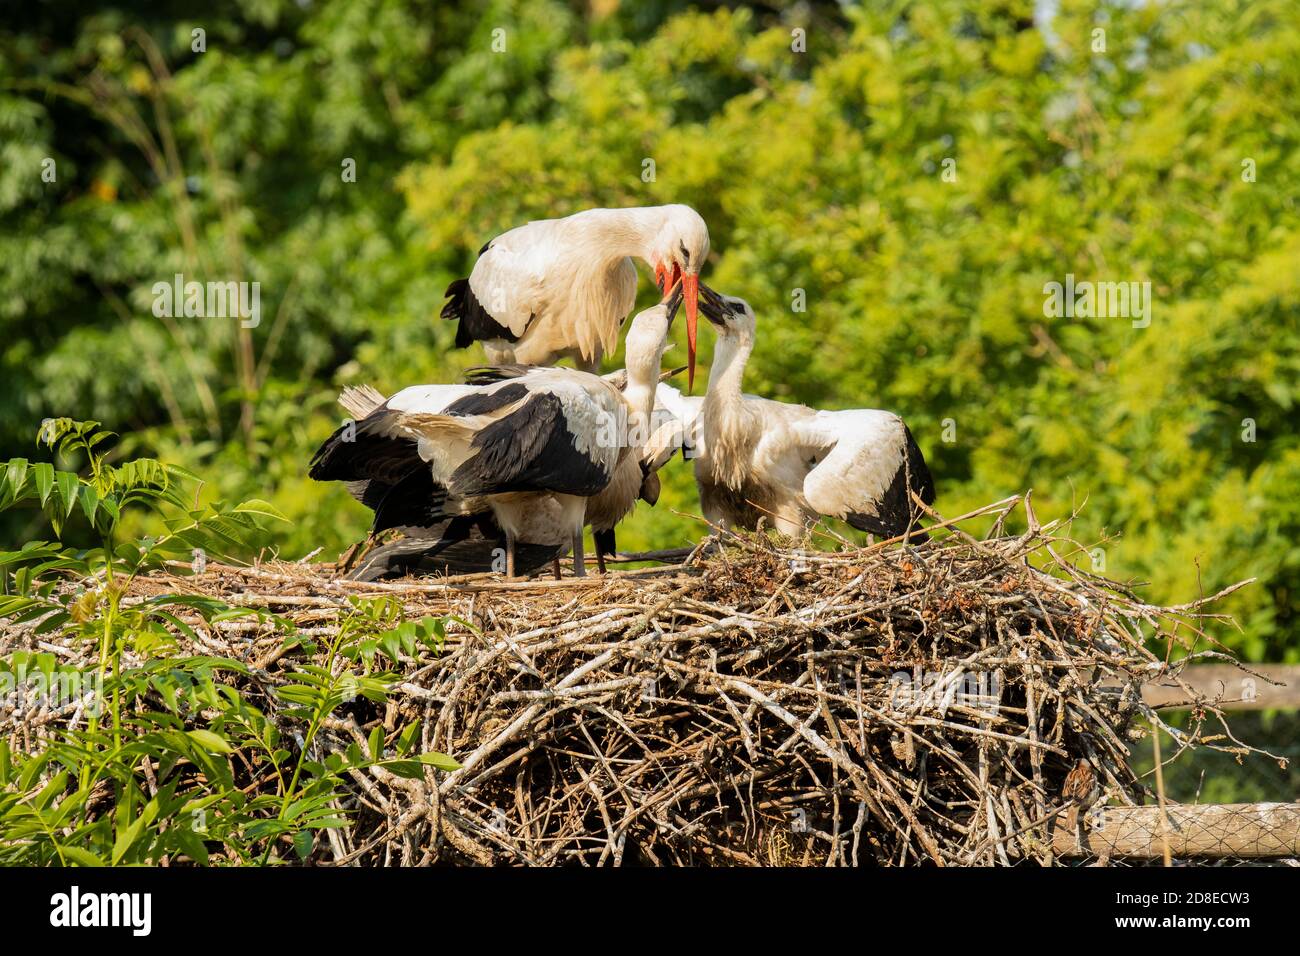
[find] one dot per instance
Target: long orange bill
(661, 277)
(691, 290)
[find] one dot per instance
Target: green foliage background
(818, 171)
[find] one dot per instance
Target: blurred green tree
(912, 174)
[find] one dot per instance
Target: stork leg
(579, 562)
(606, 545)
(573, 511)
(555, 568)
(510, 556)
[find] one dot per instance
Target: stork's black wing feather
(531, 449)
(476, 323)
(385, 474)
(416, 501)
(491, 374)
(361, 451)
(897, 513)
(464, 544)
(481, 403)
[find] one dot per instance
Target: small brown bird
(1081, 790)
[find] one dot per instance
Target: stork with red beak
(545, 450)
(562, 288)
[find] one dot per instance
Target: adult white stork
(557, 288)
(793, 463)
(432, 542)
(531, 445)
(387, 475)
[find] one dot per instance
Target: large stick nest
(757, 704)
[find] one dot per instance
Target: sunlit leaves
(818, 170)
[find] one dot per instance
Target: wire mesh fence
(1205, 776)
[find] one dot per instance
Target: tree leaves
(817, 172)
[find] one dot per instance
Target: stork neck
(727, 375)
(628, 232)
(640, 399)
(729, 426)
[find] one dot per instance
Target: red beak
(661, 275)
(691, 297)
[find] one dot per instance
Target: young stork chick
(794, 464)
(532, 445)
(637, 474)
(557, 288)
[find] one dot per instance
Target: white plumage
(685, 413)
(561, 288)
(758, 458)
(535, 446)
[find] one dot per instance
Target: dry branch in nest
(755, 705)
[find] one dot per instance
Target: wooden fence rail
(1277, 687)
(1246, 831)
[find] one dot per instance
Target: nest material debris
(756, 705)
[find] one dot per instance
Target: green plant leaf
(211, 742)
(67, 484)
(126, 838)
(256, 506)
(303, 842)
(80, 856)
(438, 760)
(16, 477)
(43, 473)
(89, 502)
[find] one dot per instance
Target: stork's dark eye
(686, 256)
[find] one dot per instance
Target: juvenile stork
(793, 463)
(557, 288)
(638, 477)
(533, 446)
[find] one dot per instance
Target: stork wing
(379, 460)
(545, 271)
(373, 449)
(376, 448)
(686, 410)
(414, 500)
(505, 287)
(561, 435)
(427, 398)
(490, 374)
(871, 465)
(360, 400)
